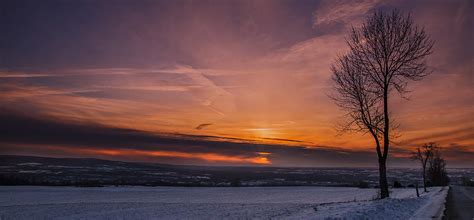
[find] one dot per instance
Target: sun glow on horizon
(259, 159)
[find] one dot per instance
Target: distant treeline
(15, 180)
(18, 180)
(21, 179)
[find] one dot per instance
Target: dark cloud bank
(27, 134)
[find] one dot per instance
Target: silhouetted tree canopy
(437, 174)
(386, 52)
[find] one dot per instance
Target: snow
(434, 208)
(35, 202)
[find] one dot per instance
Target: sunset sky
(217, 82)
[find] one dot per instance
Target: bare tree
(385, 53)
(424, 154)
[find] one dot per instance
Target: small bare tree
(385, 53)
(424, 154)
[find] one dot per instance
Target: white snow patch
(29, 164)
(434, 208)
(214, 203)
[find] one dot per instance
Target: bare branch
(386, 52)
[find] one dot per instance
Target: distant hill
(29, 170)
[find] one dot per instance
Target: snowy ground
(33, 202)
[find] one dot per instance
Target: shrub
(363, 184)
(397, 184)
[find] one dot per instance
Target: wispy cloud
(444, 137)
(344, 12)
(202, 126)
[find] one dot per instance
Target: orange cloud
(210, 157)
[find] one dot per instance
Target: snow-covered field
(33, 202)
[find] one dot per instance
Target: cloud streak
(19, 133)
(202, 126)
(343, 12)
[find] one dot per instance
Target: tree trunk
(383, 179)
(382, 168)
(417, 193)
(424, 179)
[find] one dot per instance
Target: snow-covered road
(212, 203)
